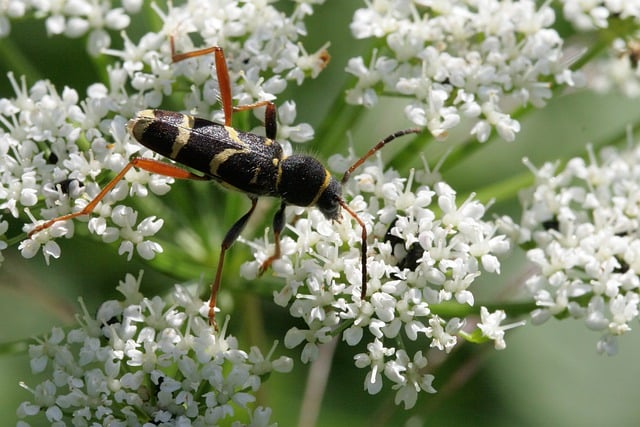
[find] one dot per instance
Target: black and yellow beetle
(243, 161)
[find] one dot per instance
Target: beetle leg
(270, 124)
(222, 72)
(149, 165)
(231, 236)
(278, 226)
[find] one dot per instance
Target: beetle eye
(329, 200)
(331, 212)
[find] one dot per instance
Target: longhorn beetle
(246, 162)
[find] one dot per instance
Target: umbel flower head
(146, 361)
(57, 146)
(583, 222)
(427, 250)
(460, 59)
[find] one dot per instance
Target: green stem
(505, 189)
(407, 156)
(332, 132)
(453, 309)
(342, 117)
(14, 347)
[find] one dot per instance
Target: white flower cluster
(73, 18)
(618, 67)
(583, 221)
(425, 249)
(456, 59)
(146, 361)
(619, 70)
(56, 147)
(590, 15)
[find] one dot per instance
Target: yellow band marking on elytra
(139, 124)
(278, 163)
(233, 135)
(254, 178)
(184, 133)
(222, 157)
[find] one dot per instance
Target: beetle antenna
(376, 148)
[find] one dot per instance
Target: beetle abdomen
(239, 160)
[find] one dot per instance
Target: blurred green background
(548, 375)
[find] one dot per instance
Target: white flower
(145, 361)
(582, 220)
(368, 78)
(125, 218)
(420, 253)
(618, 70)
(299, 133)
(462, 60)
(443, 336)
(375, 360)
(409, 377)
(490, 326)
(590, 15)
